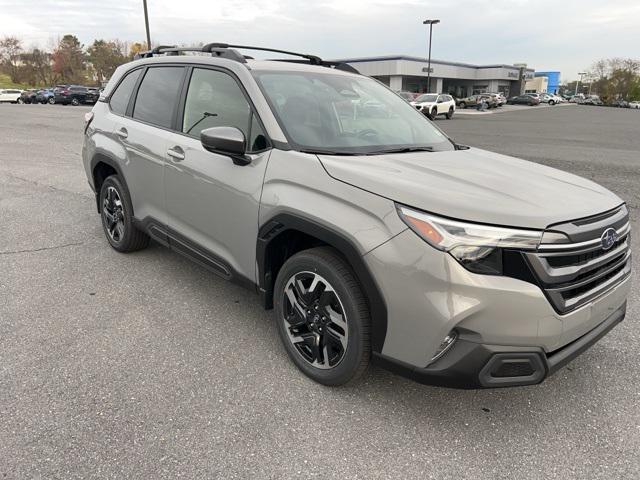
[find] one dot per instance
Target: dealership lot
(145, 365)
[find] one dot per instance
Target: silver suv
(372, 234)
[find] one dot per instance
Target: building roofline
(382, 58)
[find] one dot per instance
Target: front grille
(574, 274)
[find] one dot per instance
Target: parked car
(471, 101)
(10, 95)
(500, 98)
(592, 101)
(434, 104)
(374, 239)
(75, 95)
(634, 104)
(492, 99)
(523, 100)
(28, 96)
(45, 96)
(619, 104)
(547, 98)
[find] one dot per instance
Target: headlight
(477, 247)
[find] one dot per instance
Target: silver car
(372, 235)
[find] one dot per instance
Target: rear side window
(158, 95)
(120, 98)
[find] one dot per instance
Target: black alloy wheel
(117, 219)
(323, 316)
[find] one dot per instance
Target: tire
(462, 105)
(51, 101)
(75, 102)
(312, 340)
(450, 113)
(116, 213)
(433, 114)
(551, 102)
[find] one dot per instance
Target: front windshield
(346, 114)
(428, 97)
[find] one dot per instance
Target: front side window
(346, 114)
(120, 98)
(158, 95)
(214, 100)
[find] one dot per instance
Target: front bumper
(428, 294)
(475, 365)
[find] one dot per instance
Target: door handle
(122, 133)
(176, 153)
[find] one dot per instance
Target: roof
(408, 58)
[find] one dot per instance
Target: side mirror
(440, 100)
(229, 141)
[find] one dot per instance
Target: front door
(212, 203)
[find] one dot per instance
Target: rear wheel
(450, 113)
(52, 101)
(117, 217)
(323, 317)
(75, 102)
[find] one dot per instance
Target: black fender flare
(107, 160)
(281, 223)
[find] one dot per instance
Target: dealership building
(406, 73)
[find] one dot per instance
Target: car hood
(475, 185)
(422, 104)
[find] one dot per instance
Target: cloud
(542, 33)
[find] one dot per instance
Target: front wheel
(450, 113)
(323, 317)
(52, 101)
(551, 102)
(433, 114)
(117, 217)
(462, 105)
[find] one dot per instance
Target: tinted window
(257, 138)
(120, 98)
(158, 95)
(214, 99)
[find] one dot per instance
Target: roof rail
(226, 50)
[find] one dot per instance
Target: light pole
(578, 82)
(146, 23)
(431, 23)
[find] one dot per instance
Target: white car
(634, 105)
(434, 104)
(10, 95)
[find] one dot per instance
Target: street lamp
(578, 82)
(431, 23)
(146, 23)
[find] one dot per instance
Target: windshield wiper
(327, 152)
(403, 150)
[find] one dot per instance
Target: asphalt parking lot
(147, 366)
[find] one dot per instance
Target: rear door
(143, 131)
(212, 203)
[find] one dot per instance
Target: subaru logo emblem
(609, 238)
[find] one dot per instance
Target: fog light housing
(445, 346)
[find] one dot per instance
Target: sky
(564, 35)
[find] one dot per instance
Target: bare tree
(10, 51)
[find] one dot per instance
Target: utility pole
(146, 23)
(431, 23)
(578, 82)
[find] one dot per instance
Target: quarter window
(158, 95)
(214, 99)
(120, 98)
